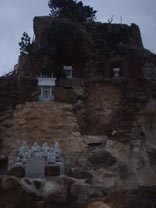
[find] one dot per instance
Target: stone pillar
(51, 94)
(41, 91)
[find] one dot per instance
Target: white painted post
(41, 91)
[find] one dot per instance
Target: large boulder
(56, 190)
(32, 187)
(139, 197)
(82, 192)
(8, 183)
(102, 158)
(13, 195)
(17, 171)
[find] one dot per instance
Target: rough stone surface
(83, 192)
(102, 159)
(68, 192)
(13, 194)
(101, 103)
(9, 183)
(81, 174)
(16, 191)
(43, 122)
(139, 197)
(17, 171)
(56, 190)
(98, 205)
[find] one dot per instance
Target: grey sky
(16, 16)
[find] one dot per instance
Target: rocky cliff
(104, 124)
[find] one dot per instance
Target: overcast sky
(16, 16)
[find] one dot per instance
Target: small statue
(18, 161)
(51, 158)
(35, 147)
(45, 146)
(23, 149)
(57, 149)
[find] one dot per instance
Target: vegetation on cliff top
(25, 43)
(71, 9)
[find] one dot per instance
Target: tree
(25, 44)
(71, 9)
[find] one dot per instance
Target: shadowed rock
(102, 159)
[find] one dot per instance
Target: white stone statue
(51, 158)
(57, 149)
(51, 149)
(35, 147)
(45, 149)
(24, 148)
(45, 152)
(18, 161)
(45, 146)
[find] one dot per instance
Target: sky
(16, 17)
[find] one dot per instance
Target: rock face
(101, 104)
(128, 34)
(13, 194)
(82, 192)
(102, 158)
(42, 122)
(62, 192)
(56, 190)
(114, 160)
(139, 197)
(105, 124)
(39, 27)
(98, 205)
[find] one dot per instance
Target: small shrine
(38, 161)
(68, 71)
(116, 72)
(46, 85)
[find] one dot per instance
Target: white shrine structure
(68, 71)
(116, 72)
(46, 85)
